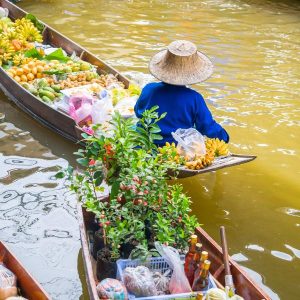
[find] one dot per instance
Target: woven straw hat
(181, 64)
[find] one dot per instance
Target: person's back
(185, 109)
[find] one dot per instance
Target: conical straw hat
(181, 64)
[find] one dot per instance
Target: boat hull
(245, 287)
(29, 287)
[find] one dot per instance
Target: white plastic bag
(139, 281)
(102, 109)
(8, 283)
(178, 282)
(3, 12)
(190, 142)
(126, 106)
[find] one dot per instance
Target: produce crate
(157, 264)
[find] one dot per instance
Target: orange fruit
(17, 78)
(26, 70)
(40, 69)
(34, 71)
(24, 78)
(30, 76)
(19, 72)
(31, 64)
(39, 75)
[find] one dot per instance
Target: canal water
(254, 93)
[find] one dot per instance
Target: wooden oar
(229, 286)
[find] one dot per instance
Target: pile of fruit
(214, 148)
(16, 37)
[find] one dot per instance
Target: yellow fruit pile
(16, 37)
(170, 153)
(28, 72)
(201, 162)
(218, 147)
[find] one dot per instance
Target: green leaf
(98, 180)
(57, 55)
(98, 174)
(40, 26)
(60, 175)
(114, 190)
(33, 53)
(83, 161)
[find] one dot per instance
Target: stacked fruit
(218, 147)
(170, 153)
(44, 91)
(16, 37)
(78, 79)
(30, 71)
(70, 66)
(201, 162)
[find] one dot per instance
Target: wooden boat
(59, 121)
(56, 120)
(245, 287)
(29, 287)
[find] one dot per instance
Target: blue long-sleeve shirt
(185, 108)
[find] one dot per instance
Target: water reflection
(37, 214)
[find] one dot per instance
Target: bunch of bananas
(20, 59)
(170, 153)
(201, 162)
(217, 147)
(16, 37)
(27, 31)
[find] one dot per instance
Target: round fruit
(26, 70)
(40, 69)
(39, 75)
(30, 76)
(24, 78)
(17, 78)
(34, 70)
(19, 72)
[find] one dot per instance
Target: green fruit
(46, 99)
(68, 70)
(56, 88)
(85, 66)
(42, 83)
(48, 88)
(75, 69)
(33, 91)
(25, 85)
(46, 93)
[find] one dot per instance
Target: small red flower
(92, 162)
(145, 203)
(146, 192)
(107, 223)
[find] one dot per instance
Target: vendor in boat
(177, 67)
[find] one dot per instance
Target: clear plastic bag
(190, 142)
(126, 106)
(102, 109)
(178, 282)
(8, 283)
(3, 12)
(139, 281)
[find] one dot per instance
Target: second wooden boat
(245, 287)
(28, 286)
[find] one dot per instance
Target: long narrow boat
(59, 121)
(245, 287)
(28, 286)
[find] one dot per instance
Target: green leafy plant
(142, 207)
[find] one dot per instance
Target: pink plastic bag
(178, 282)
(80, 108)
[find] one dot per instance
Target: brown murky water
(254, 93)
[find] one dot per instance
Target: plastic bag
(102, 109)
(80, 108)
(3, 12)
(8, 283)
(139, 281)
(215, 294)
(126, 106)
(178, 282)
(111, 289)
(190, 142)
(162, 282)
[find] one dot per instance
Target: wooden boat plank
(220, 163)
(245, 286)
(30, 288)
